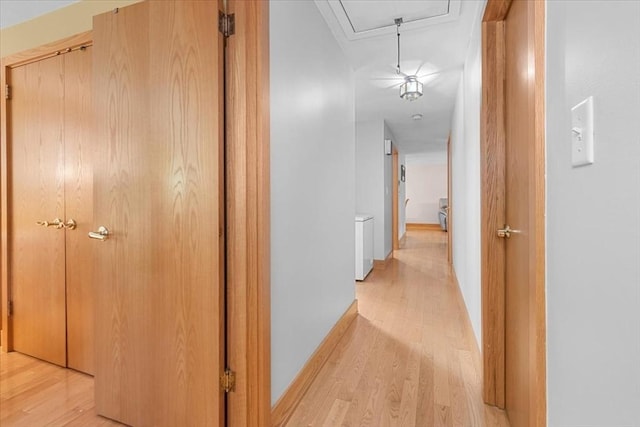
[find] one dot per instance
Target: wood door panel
(37, 254)
(519, 134)
(79, 139)
(123, 336)
(157, 179)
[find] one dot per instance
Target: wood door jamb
(395, 193)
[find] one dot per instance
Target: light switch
(582, 133)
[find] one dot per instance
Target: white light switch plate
(582, 133)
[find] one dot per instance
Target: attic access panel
(364, 18)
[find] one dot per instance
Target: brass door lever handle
(57, 223)
(507, 231)
(102, 234)
(70, 224)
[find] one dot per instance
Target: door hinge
(9, 308)
(7, 92)
(226, 24)
(228, 380)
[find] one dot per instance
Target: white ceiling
(431, 42)
(13, 12)
(435, 45)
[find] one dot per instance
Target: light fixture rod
(398, 22)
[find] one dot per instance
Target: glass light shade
(411, 89)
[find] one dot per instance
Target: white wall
(373, 182)
(370, 179)
(593, 216)
(312, 186)
(465, 156)
(426, 185)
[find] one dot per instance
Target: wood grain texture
(410, 357)
(157, 176)
(6, 323)
(519, 140)
(79, 140)
(492, 168)
(247, 214)
(37, 254)
(286, 405)
(525, 305)
(382, 264)
(395, 183)
(449, 201)
(538, 252)
(496, 10)
(37, 393)
(29, 56)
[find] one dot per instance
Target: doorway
(513, 227)
(50, 209)
(243, 237)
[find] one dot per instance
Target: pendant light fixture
(411, 89)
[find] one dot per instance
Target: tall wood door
(78, 190)
(158, 190)
(523, 332)
(51, 179)
(37, 255)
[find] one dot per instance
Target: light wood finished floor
(410, 358)
(34, 393)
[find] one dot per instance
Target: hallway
(409, 358)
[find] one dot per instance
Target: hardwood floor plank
(410, 358)
(37, 393)
(336, 414)
(409, 399)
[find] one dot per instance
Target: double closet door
(51, 209)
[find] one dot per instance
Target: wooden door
(449, 203)
(395, 190)
(36, 252)
(158, 189)
(51, 178)
(524, 332)
(78, 190)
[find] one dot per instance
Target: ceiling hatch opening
(360, 19)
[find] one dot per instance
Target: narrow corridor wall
(465, 203)
(593, 216)
(374, 182)
(312, 186)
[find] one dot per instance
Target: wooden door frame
(395, 238)
(449, 203)
(248, 214)
(247, 206)
(493, 208)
